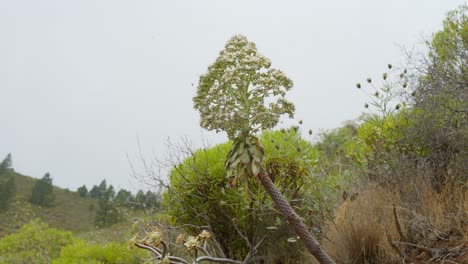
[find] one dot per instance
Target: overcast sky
(81, 80)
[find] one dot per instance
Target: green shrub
(200, 194)
(82, 252)
(34, 243)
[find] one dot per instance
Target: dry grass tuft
(423, 226)
(359, 232)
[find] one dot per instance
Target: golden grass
(358, 234)
(365, 230)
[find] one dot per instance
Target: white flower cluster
(232, 95)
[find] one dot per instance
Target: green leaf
(245, 158)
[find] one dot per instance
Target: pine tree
(7, 190)
(107, 214)
(139, 200)
(83, 191)
(94, 192)
(124, 198)
(152, 200)
(98, 191)
(42, 193)
(6, 164)
(7, 183)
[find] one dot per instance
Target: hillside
(70, 211)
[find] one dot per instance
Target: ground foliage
(199, 194)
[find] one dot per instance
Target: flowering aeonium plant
(241, 94)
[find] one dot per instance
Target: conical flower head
(240, 93)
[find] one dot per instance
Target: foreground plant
(241, 94)
(153, 241)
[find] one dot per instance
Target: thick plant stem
(299, 227)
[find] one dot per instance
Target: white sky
(81, 79)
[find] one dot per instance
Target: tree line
(109, 201)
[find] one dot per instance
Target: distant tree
(83, 191)
(7, 183)
(148, 201)
(6, 164)
(152, 200)
(42, 192)
(98, 191)
(124, 198)
(332, 141)
(107, 213)
(103, 187)
(94, 192)
(139, 200)
(7, 190)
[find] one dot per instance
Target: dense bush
(200, 195)
(82, 252)
(35, 243)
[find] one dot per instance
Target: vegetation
(199, 195)
(35, 242)
(411, 160)
(83, 191)
(401, 168)
(7, 183)
(42, 192)
(231, 97)
(107, 213)
(82, 252)
(400, 171)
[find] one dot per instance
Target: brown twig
(398, 226)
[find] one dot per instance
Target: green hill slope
(70, 211)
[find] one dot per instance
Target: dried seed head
(310, 131)
(298, 149)
(376, 94)
(405, 84)
(366, 105)
(397, 106)
(358, 85)
(405, 71)
(389, 66)
(300, 122)
(369, 80)
(384, 76)
(180, 239)
(277, 147)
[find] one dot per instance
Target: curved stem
(164, 249)
(299, 227)
(159, 256)
(218, 260)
